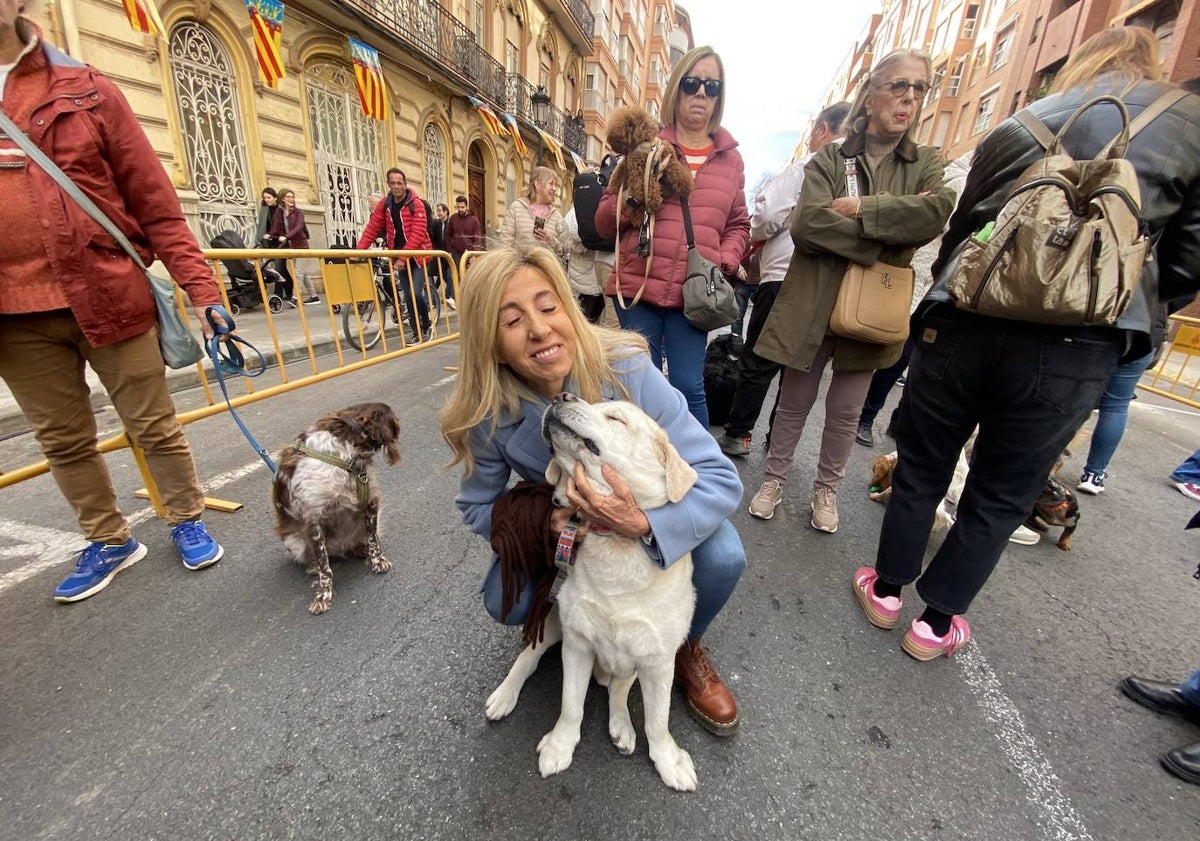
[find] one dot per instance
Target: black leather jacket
(1166, 156)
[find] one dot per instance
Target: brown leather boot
(709, 699)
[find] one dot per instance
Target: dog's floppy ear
(383, 427)
(554, 472)
(680, 475)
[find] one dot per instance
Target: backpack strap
(1035, 127)
(1151, 112)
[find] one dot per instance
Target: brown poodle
(650, 172)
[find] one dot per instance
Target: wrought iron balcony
(582, 24)
(427, 30)
(519, 103)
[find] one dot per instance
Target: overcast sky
(779, 56)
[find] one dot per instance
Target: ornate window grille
(347, 151)
(211, 122)
(435, 165)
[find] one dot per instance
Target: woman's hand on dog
(618, 510)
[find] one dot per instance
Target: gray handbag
(177, 343)
(708, 299)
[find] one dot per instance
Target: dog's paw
(380, 564)
(322, 601)
(501, 702)
(620, 729)
(555, 754)
(675, 767)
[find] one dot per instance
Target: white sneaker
(1092, 483)
(450, 303)
(765, 501)
(1025, 536)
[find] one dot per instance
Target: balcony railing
(519, 103)
(582, 15)
(429, 31)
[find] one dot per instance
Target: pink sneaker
(1189, 489)
(921, 643)
(881, 612)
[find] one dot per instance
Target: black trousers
(1029, 388)
(754, 372)
(881, 385)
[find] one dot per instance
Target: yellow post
(151, 489)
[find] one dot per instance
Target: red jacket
(719, 220)
(290, 225)
(85, 126)
(414, 217)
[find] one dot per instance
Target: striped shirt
(695, 158)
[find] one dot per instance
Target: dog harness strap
(355, 467)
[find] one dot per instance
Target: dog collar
(356, 467)
(564, 557)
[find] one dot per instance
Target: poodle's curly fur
(632, 132)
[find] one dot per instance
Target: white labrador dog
(619, 614)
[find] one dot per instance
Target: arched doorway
(476, 179)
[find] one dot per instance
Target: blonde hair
(684, 68)
(1131, 51)
(486, 388)
(539, 175)
(856, 120)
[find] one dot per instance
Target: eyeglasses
(691, 86)
(900, 87)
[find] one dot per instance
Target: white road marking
(1043, 789)
(443, 381)
(52, 547)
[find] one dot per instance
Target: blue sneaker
(97, 565)
(196, 548)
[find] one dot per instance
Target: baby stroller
(243, 283)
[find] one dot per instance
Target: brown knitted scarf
(521, 536)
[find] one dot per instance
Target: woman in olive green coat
(902, 205)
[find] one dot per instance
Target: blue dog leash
(227, 358)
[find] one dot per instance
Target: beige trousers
(42, 358)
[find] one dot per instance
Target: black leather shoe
(1184, 763)
(1163, 697)
(865, 436)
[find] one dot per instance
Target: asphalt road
(211, 705)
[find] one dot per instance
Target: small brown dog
(326, 492)
(650, 172)
(1055, 506)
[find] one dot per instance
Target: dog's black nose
(565, 397)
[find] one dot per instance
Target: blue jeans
(1028, 388)
(421, 311)
(743, 293)
(1189, 471)
(1114, 412)
(684, 344)
(717, 565)
(1190, 688)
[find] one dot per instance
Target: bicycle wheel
(435, 305)
(372, 325)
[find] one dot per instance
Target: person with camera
(533, 219)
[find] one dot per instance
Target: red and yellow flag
(143, 17)
(553, 145)
(368, 73)
(488, 116)
(514, 130)
(266, 22)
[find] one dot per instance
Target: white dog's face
(622, 436)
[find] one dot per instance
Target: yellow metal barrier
(350, 285)
(1177, 375)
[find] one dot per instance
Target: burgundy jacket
(290, 225)
(414, 217)
(719, 220)
(462, 233)
(87, 128)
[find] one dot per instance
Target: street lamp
(540, 100)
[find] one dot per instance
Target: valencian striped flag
(488, 116)
(143, 17)
(553, 145)
(515, 131)
(580, 163)
(266, 22)
(369, 74)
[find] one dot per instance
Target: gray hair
(856, 121)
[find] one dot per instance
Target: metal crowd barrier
(1177, 374)
(351, 308)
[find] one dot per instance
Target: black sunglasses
(901, 86)
(691, 86)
